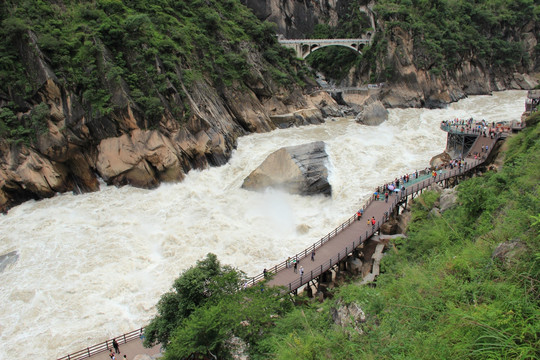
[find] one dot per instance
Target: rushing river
(93, 266)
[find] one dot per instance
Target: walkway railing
(468, 130)
(363, 237)
(409, 190)
(104, 346)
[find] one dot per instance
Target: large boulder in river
(297, 169)
(373, 114)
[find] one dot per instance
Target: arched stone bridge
(304, 47)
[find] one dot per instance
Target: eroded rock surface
(298, 169)
(373, 114)
(349, 315)
(448, 199)
(8, 259)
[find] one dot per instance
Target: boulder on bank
(440, 159)
(507, 252)
(348, 315)
(297, 169)
(448, 199)
(373, 114)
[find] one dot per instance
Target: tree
(208, 281)
(246, 314)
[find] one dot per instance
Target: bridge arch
(304, 47)
(355, 47)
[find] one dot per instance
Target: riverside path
(331, 249)
(342, 241)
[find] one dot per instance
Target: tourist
(373, 222)
(301, 271)
(295, 265)
(116, 347)
(313, 255)
(111, 355)
(265, 273)
(288, 264)
(386, 196)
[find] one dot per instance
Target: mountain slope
(136, 92)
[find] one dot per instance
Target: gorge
(186, 98)
(141, 95)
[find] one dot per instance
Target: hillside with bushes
(462, 285)
(443, 35)
(81, 79)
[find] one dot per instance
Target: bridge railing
(303, 254)
(323, 41)
(104, 346)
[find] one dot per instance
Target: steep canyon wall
(407, 83)
(198, 121)
(77, 146)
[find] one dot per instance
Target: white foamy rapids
(93, 266)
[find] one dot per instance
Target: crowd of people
(476, 127)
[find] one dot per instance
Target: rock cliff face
(197, 124)
(413, 87)
(408, 85)
(296, 18)
(77, 147)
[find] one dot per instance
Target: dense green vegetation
(441, 295)
(152, 50)
(445, 33)
(204, 309)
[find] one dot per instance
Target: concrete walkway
(130, 349)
